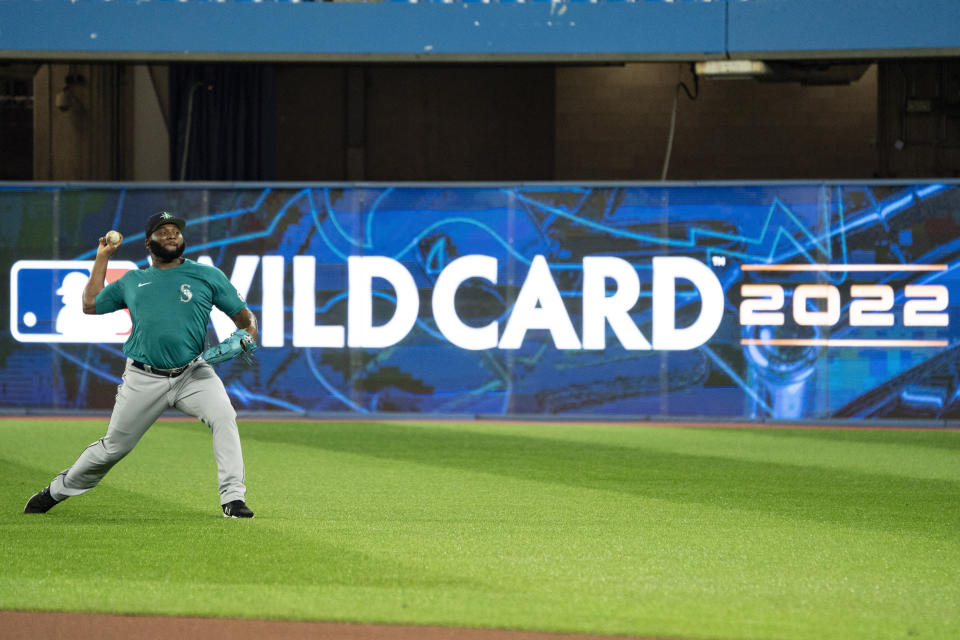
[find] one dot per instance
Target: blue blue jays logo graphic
(46, 303)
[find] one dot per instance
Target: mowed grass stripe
(620, 529)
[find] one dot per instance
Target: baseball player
(170, 304)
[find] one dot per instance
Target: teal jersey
(170, 309)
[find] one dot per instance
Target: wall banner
(755, 300)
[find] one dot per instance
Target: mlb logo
(46, 303)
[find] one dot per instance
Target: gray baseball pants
(141, 398)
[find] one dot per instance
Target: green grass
(614, 529)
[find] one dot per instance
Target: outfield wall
(754, 300)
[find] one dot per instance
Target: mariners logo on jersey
(185, 294)
(46, 303)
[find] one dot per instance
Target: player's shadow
(167, 533)
(796, 491)
(108, 502)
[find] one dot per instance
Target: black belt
(170, 373)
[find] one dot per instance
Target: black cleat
(235, 509)
(41, 502)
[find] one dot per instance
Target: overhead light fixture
(732, 69)
(806, 72)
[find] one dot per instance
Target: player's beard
(164, 254)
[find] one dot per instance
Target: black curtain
(223, 122)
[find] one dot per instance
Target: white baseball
(113, 237)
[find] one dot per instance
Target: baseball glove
(238, 344)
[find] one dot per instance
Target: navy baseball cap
(161, 218)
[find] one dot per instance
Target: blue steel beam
(831, 29)
(347, 31)
(155, 30)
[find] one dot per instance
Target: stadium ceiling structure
(566, 31)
